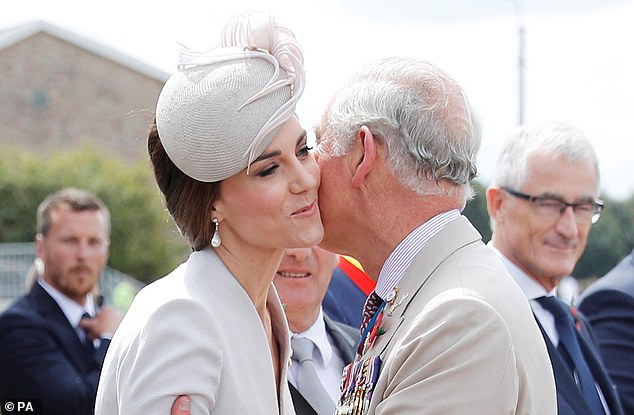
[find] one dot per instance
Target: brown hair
(189, 201)
(73, 199)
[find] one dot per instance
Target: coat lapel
(302, 407)
(567, 390)
(599, 371)
(60, 328)
(457, 234)
(344, 342)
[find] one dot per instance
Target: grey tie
(308, 383)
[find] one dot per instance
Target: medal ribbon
(369, 327)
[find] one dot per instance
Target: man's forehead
(69, 217)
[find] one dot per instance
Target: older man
(542, 204)
(446, 329)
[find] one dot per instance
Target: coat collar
(454, 236)
(59, 326)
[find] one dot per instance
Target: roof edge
(18, 33)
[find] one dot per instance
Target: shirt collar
(72, 310)
(317, 333)
(401, 258)
(531, 288)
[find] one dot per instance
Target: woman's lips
(307, 210)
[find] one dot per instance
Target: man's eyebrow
(583, 199)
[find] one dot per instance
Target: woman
(232, 162)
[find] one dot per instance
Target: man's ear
(495, 202)
(367, 156)
(39, 245)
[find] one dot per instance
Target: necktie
(372, 304)
(86, 342)
(308, 383)
(568, 338)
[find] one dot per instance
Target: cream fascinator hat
(222, 107)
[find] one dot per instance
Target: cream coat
(463, 340)
(195, 332)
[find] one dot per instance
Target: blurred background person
(542, 203)
(53, 340)
(301, 281)
(608, 304)
(347, 291)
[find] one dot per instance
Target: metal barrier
(16, 260)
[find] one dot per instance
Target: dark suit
(42, 359)
(344, 338)
(570, 401)
(344, 299)
(609, 306)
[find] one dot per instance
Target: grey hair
(558, 138)
(422, 116)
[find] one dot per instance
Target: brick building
(60, 89)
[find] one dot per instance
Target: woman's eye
(268, 171)
(304, 151)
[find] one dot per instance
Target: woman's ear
(217, 209)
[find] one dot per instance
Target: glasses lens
(547, 207)
(597, 209)
(584, 212)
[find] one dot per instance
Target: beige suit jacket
(195, 332)
(463, 340)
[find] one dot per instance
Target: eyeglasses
(553, 207)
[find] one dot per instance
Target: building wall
(56, 95)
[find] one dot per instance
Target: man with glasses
(542, 204)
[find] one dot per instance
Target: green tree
(144, 240)
(609, 241)
(476, 211)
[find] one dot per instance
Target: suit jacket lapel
(599, 372)
(344, 342)
(60, 327)
(567, 389)
(302, 407)
(455, 235)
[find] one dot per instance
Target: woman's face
(275, 204)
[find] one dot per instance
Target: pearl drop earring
(215, 240)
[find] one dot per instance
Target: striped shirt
(401, 258)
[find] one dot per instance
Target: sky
(578, 54)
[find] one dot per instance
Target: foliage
(144, 241)
(476, 211)
(611, 239)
